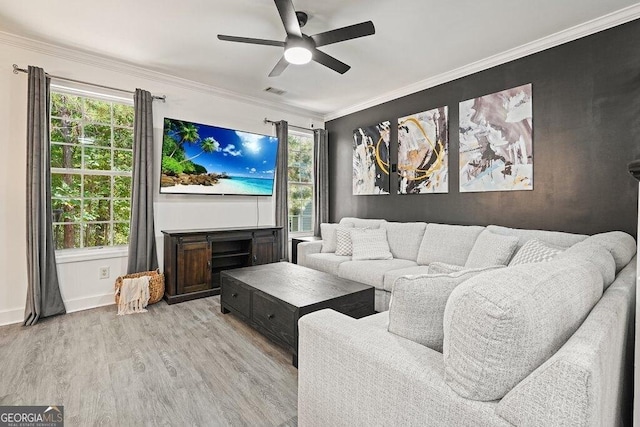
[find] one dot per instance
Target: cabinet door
(265, 248)
(194, 266)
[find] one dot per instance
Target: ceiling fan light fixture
(297, 55)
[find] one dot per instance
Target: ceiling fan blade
(345, 33)
(250, 40)
(289, 18)
(330, 61)
(279, 68)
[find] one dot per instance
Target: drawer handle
(233, 295)
(271, 316)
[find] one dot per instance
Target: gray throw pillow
(491, 249)
(344, 246)
(329, 237)
(535, 251)
(370, 244)
(417, 305)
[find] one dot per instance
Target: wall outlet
(104, 272)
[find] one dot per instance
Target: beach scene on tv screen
(204, 159)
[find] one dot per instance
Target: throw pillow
(417, 305)
(501, 326)
(329, 237)
(491, 249)
(370, 244)
(535, 251)
(344, 247)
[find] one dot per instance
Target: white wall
(80, 285)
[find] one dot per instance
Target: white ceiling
(415, 40)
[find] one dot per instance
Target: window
(300, 183)
(91, 164)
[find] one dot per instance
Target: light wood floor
(180, 365)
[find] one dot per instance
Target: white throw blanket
(134, 295)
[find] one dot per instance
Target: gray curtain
(43, 292)
(282, 203)
(142, 239)
(320, 179)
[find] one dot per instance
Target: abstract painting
(423, 152)
(371, 159)
(496, 141)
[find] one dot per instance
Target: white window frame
(65, 255)
(311, 184)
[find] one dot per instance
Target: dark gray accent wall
(586, 124)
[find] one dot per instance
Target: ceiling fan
(300, 48)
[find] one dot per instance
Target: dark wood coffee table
(272, 297)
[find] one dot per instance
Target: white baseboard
(86, 303)
(16, 315)
(7, 317)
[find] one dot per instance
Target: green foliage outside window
(300, 178)
(91, 164)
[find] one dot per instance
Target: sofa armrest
(354, 372)
(306, 248)
(588, 381)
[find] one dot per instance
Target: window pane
(66, 236)
(66, 210)
(65, 185)
(97, 110)
(65, 131)
(96, 235)
(121, 210)
(66, 106)
(123, 160)
(66, 156)
(97, 186)
(122, 186)
(97, 158)
(97, 210)
(123, 115)
(121, 233)
(97, 135)
(123, 138)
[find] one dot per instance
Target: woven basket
(156, 284)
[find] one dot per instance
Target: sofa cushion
(557, 238)
(329, 236)
(404, 238)
(621, 245)
(443, 268)
(417, 306)
(535, 251)
(391, 276)
(596, 254)
(369, 244)
(491, 249)
(325, 262)
(371, 272)
(450, 244)
(344, 246)
(362, 222)
(502, 325)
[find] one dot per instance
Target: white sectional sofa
(414, 246)
(535, 344)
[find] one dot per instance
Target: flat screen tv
(205, 159)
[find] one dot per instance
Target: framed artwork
(371, 159)
(423, 152)
(496, 141)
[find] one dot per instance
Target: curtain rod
(17, 70)
(291, 126)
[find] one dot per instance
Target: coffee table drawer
(274, 316)
(235, 295)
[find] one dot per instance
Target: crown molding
(123, 67)
(581, 30)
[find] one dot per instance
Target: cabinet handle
(271, 316)
(233, 295)
(209, 263)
